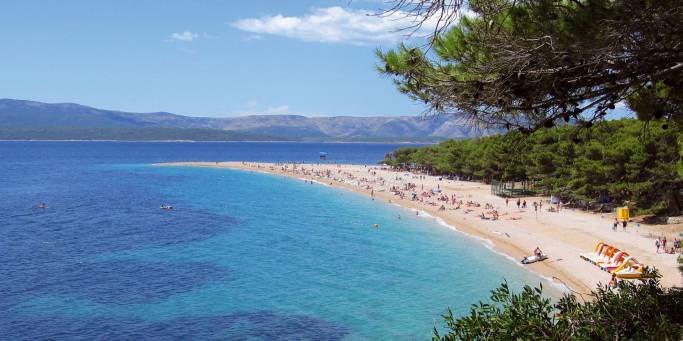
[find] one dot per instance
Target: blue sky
(216, 58)
(200, 58)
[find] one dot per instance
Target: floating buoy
(376, 226)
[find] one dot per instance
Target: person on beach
(519, 202)
(664, 243)
(538, 252)
(614, 226)
(506, 202)
(613, 282)
(658, 243)
(623, 224)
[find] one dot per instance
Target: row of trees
(616, 161)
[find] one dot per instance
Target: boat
(632, 269)
(534, 258)
(603, 253)
(166, 207)
(323, 156)
(614, 262)
(617, 262)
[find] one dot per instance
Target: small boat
(534, 259)
(323, 155)
(43, 205)
(166, 207)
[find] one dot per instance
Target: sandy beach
(517, 232)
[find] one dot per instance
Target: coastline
(562, 235)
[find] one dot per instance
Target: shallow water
(243, 256)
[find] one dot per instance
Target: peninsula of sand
(514, 231)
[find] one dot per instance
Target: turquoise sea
(243, 256)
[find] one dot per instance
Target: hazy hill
(28, 117)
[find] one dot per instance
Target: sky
(215, 58)
(201, 58)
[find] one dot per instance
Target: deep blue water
(244, 256)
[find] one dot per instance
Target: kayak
(534, 259)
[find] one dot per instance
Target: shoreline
(561, 235)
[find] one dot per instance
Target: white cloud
(337, 25)
(280, 109)
(185, 36)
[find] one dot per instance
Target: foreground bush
(635, 311)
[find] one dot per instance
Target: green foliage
(636, 311)
(614, 159)
(531, 64)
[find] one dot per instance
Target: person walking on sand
(623, 224)
(664, 243)
(506, 202)
(614, 226)
(519, 202)
(657, 244)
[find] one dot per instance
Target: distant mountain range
(20, 119)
